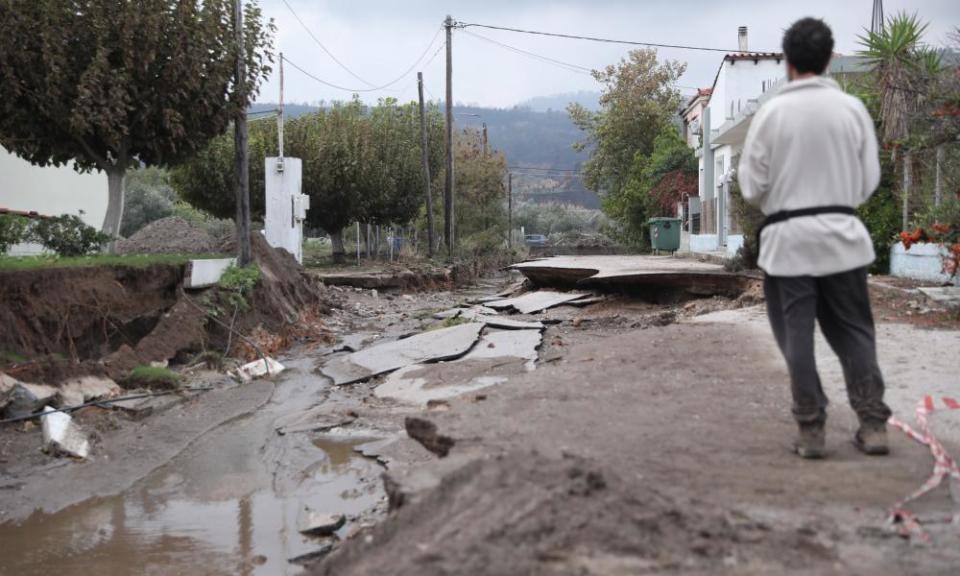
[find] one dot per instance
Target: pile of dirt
(286, 305)
(171, 235)
(526, 514)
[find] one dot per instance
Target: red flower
(942, 229)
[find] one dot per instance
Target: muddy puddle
(168, 524)
(232, 503)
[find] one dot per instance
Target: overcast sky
(380, 39)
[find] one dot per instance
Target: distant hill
(527, 137)
(559, 102)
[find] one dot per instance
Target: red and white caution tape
(944, 465)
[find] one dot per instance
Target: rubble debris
(536, 301)
(443, 344)
(78, 391)
(62, 436)
(319, 523)
(264, 367)
(425, 432)
(24, 399)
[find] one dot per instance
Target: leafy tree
(110, 84)
(148, 197)
(655, 184)
(481, 216)
(638, 100)
(206, 180)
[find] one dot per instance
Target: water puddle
(204, 515)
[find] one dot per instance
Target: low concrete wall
(707, 244)
(922, 261)
(206, 273)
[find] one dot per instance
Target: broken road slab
(536, 301)
(266, 366)
(489, 317)
(494, 360)
(319, 523)
(443, 344)
(949, 295)
(627, 271)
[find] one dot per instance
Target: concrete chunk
(258, 368)
(62, 436)
(86, 389)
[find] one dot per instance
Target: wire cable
(320, 44)
(565, 65)
(463, 25)
(372, 88)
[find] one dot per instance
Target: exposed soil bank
(83, 313)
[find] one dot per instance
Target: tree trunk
(114, 216)
(336, 241)
(907, 183)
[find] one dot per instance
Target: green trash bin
(665, 234)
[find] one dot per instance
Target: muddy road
(640, 437)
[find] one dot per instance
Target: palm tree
(904, 69)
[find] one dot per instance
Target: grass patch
(131, 260)
(152, 377)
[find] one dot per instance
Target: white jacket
(811, 145)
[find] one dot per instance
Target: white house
(742, 80)
(50, 191)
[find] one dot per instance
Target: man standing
(810, 158)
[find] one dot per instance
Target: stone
(310, 557)
(24, 399)
(320, 523)
(61, 435)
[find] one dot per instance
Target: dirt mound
(171, 235)
(286, 304)
(527, 514)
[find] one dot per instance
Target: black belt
(788, 214)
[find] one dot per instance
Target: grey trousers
(841, 304)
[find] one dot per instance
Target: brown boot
(871, 439)
(811, 442)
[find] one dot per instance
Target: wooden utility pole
(510, 210)
(280, 117)
(240, 147)
(448, 211)
(424, 153)
(484, 139)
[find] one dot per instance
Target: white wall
(51, 190)
(740, 81)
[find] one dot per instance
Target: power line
(320, 44)
(565, 65)
(536, 168)
(605, 40)
(372, 88)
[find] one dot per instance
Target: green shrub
(68, 235)
(237, 283)
(750, 218)
(882, 217)
(148, 197)
(13, 230)
(152, 377)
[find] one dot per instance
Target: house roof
(26, 213)
(701, 93)
(755, 56)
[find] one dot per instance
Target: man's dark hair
(808, 45)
